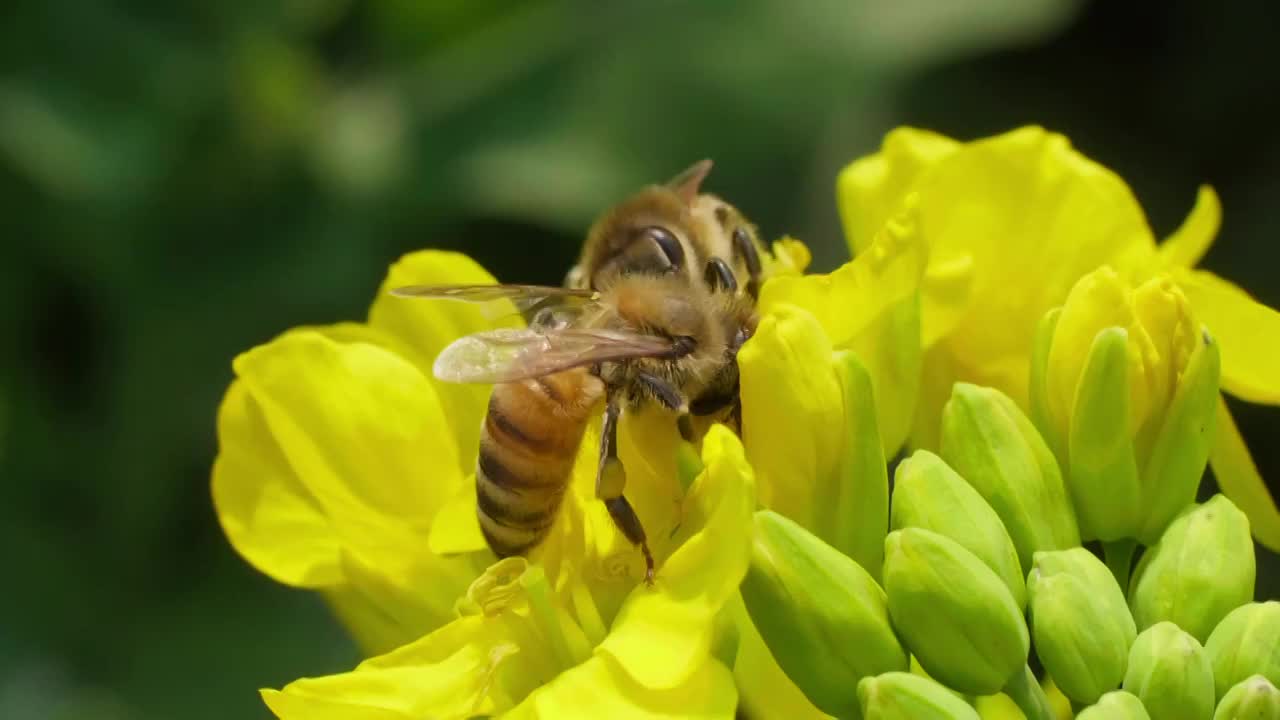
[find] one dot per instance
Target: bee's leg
(714, 402)
(611, 479)
(576, 277)
(745, 248)
(672, 399)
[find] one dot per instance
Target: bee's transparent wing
(539, 305)
(511, 354)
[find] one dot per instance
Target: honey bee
(652, 315)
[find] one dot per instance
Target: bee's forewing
(507, 300)
(508, 355)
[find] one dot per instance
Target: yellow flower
(333, 465)
(519, 648)
(346, 467)
(1011, 222)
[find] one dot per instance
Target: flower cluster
(979, 574)
(1008, 320)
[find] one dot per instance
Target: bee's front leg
(611, 480)
(672, 399)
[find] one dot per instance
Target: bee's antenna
(687, 183)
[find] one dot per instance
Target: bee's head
(648, 233)
(662, 305)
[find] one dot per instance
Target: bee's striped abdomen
(528, 443)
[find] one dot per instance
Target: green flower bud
(1245, 643)
(928, 494)
(1102, 471)
(1170, 673)
(825, 468)
(857, 517)
(953, 612)
(1202, 567)
(822, 615)
(903, 696)
(992, 444)
(1081, 625)
(1115, 705)
(1255, 698)
(1172, 472)
(1124, 383)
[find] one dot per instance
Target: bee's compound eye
(667, 243)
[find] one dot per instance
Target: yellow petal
(792, 410)
(373, 631)
(295, 707)
(1192, 239)
(1239, 480)
(268, 515)
(647, 443)
(789, 256)
(944, 296)
(1029, 215)
(663, 634)
(998, 707)
(356, 422)
(327, 477)
(856, 295)
(871, 306)
(394, 597)
(457, 528)
(1247, 332)
(428, 326)
(938, 374)
(1100, 300)
(1165, 314)
(455, 672)
(870, 190)
(1058, 703)
(599, 688)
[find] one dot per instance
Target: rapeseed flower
(1011, 222)
(338, 452)
(347, 467)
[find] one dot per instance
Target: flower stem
(1027, 694)
(1119, 557)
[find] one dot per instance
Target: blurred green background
(181, 181)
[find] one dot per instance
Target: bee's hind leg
(611, 479)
